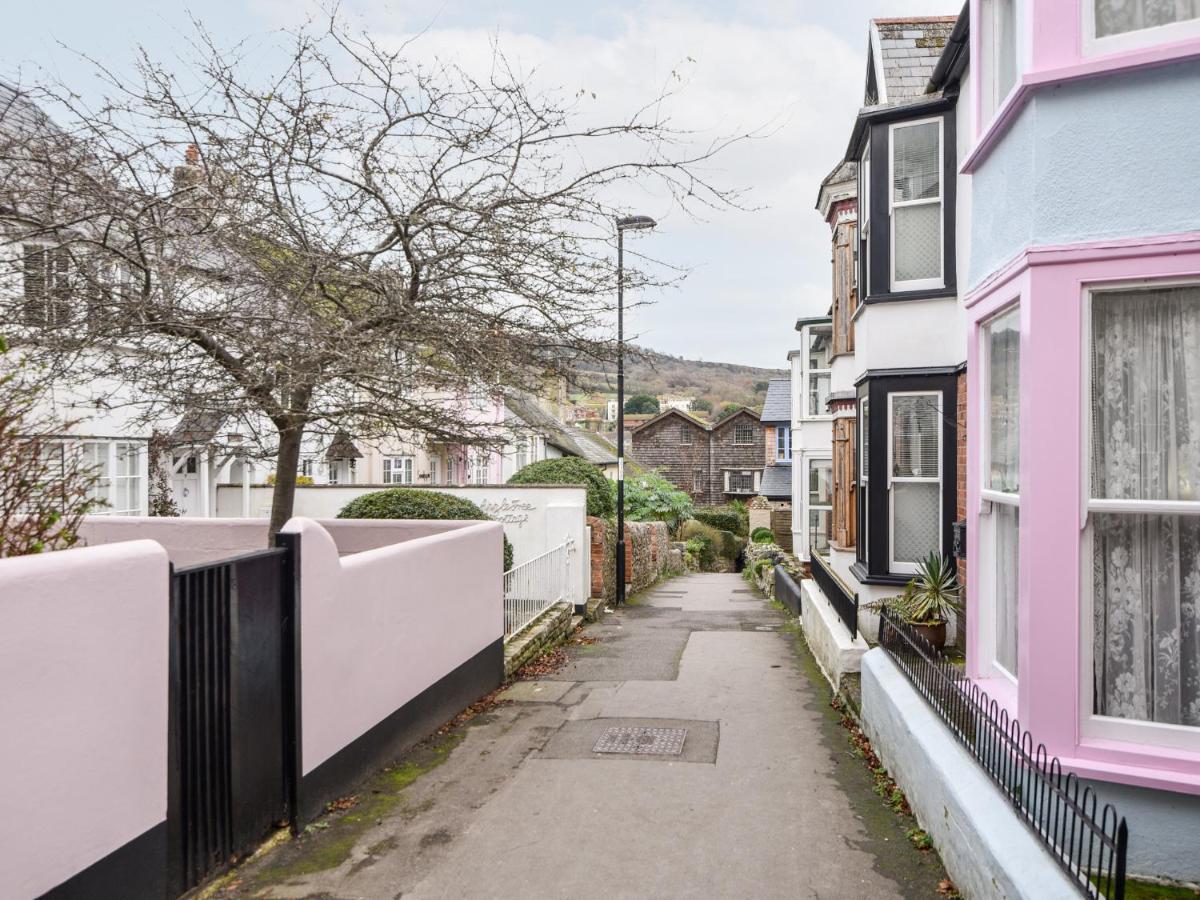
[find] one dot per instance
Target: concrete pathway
(765, 799)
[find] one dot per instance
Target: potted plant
(929, 600)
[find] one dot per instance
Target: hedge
(724, 519)
(414, 503)
(573, 470)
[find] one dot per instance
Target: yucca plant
(934, 595)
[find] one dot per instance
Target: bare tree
(345, 243)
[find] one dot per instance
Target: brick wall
(646, 554)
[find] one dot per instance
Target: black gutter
(953, 61)
(913, 109)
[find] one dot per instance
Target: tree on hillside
(728, 410)
(700, 404)
(352, 238)
(760, 387)
(642, 403)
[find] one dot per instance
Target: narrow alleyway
(764, 800)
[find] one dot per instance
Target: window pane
(916, 523)
(1146, 394)
(820, 483)
(918, 241)
(819, 348)
(1004, 370)
(1120, 16)
(1146, 576)
(865, 430)
(1006, 47)
(818, 394)
(916, 433)
(915, 174)
(1007, 523)
(818, 530)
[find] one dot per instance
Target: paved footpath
(764, 800)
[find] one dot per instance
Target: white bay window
(820, 504)
(914, 477)
(915, 201)
(1142, 541)
(1000, 523)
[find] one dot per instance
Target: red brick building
(712, 463)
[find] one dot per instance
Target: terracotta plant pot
(933, 632)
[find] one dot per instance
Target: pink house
(1083, 476)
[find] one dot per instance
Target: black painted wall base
(134, 871)
(417, 719)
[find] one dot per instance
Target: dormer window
(916, 204)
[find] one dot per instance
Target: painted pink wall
(83, 664)
(382, 625)
(1050, 282)
(1055, 55)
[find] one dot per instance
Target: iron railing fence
(843, 602)
(535, 585)
(1055, 807)
(787, 591)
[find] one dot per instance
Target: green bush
(723, 518)
(762, 535)
(651, 498)
(415, 503)
(731, 545)
(707, 540)
(761, 564)
(601, 500)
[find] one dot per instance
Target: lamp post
(628, 223)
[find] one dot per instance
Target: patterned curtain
(1120, 16)
(1146, 446)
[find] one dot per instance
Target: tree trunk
(287, 463)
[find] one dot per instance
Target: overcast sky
(795, 68)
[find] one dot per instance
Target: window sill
(919, 294)
(859, 571)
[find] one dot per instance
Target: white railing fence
(535, 585)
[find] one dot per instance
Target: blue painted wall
(1117, 156)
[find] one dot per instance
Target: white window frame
(917, 284)
(806, 373)
(992, 100)
(907, 568)
(737, 427)
(809, 507)
(864, 470)
(478, 468)
(755, 480)
(106, 484)
(1138, 39)
(522, 453)
(1092, 725)
(864, 216)
(987, 497)
(405, 469)
(783, 433)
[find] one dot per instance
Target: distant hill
(651, 372)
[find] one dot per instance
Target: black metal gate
(233, 712)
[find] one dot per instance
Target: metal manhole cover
(657, 741)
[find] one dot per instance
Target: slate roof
(19, 114)
(342, 448)
(776, 482)
(908, 50)
(197, 426)
(570, 440)
(777, 407)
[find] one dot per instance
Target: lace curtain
(1007, 560)
(1120, 16)
(1146, 446)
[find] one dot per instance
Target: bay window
(914, 477)
(817, 364)
(783, 443)
(915, 200)
(820, 504)
(1142, 540)
(999, 45)
(1000, 522)
(1110, 18)
(864, 471)
(864, 216)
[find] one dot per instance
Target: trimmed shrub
(416, 503)
(725, 519)
(601, 499)
(762, 535)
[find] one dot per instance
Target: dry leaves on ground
(342, 803)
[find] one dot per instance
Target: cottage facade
(713, 463)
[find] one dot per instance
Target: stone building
(713, 463)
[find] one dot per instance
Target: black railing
(843, 602)
(787, 591)
(1055, 807)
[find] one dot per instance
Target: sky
(792, 72)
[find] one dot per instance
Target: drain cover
(657, 741)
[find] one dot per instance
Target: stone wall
(647, 554)
(545, 633)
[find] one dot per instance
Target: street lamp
(628, 223)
